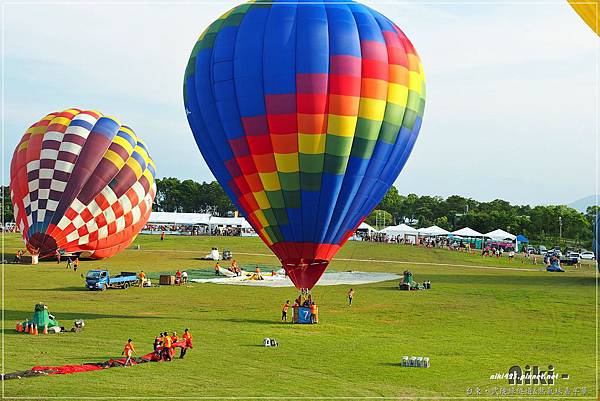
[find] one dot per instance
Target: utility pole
(560, 228)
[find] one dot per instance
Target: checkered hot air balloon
(81, 182)
(306, 113)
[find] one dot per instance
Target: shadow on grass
(10, 315)
(251, 321)
(394, 364)
(54, 289)
(469, 280)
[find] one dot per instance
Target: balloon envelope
(82, 182)
(589, 11)
(305, 113)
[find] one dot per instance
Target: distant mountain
(583, 203)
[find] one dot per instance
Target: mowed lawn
(481, 317)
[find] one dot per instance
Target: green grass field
(481, 317)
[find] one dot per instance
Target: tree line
(552, 224)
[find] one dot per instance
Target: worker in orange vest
(314, 311)
(284, 310)
(166, 350)
(187, 336)
(128, 351)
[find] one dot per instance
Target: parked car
(572, 255)
(587, 255)
(541, 250)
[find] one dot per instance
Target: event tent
(401, 229)
(179, 218)
(366, 227)
(500, 235)
(467, 232)
(432, 231)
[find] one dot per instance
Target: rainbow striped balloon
(306, 113)
(82, 182)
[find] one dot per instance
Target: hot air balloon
(305, 113)
(81, 182)
(589, 11)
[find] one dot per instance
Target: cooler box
(167, 280)
(304, 315)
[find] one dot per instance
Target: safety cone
(27, 327)
(35, 330)
(45, 329)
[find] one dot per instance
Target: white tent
(228, 222)
(432, 231)
(178, 218)
(401, 229)
(500, 235)
(365, 227)
(467, 232)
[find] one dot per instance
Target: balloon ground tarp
(305, 112)
(81, 182)
(88, 367)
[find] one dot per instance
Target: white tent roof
(433, 230)
(178, 218)
(500, 234)
(229, 221)
(399, 230)
(365, 226)
(467, 232)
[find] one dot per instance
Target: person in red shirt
(187, 336)
(128, 351)
(284, 311)
(178, 277)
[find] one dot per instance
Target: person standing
(217, 269)
(350, 296)
(166, 347)
(76, 264)
(57, 253)
(284, 310)
(184, 277)
(187, 336)
(142, 278)
(157, 343)
(178, 277)
(69, 263)
(128, 351)
(162, 236)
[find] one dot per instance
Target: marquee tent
(366, 227)
(179, 218)
(432, 231)
(500, 235)
(467, 232)
(401, 229)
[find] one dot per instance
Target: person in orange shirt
(313, 313)
(142, 279)
(76, 264)
(166, 350)
(217, 268)
(187, 336)
(284, 310)
(128, 351)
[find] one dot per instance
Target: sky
(512, 88)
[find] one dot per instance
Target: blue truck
(101, 280)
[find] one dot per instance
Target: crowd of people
(164, 346)
(193, 230)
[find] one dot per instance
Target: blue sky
(511, 88)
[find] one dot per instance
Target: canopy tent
(467, 232)
(522, 238)
(229, 222)
(432, 231)
(500, 235)
(401, 229)
(365, 227)
(178, 218)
